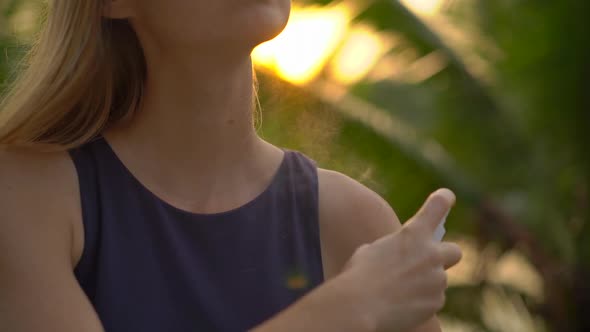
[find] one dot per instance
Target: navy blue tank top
(149, 266)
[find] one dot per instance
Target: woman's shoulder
(351, 214)
(344, 197)
(38, 193)
(26, 170)
(36, 240)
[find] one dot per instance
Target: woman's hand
(400, 279)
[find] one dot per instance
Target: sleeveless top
(149, 266)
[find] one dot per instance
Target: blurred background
(488, 98)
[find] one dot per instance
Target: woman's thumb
(432, 211)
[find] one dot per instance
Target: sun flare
(312, 35)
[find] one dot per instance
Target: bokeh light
(424, 7)
(358, 55)
(312, 35)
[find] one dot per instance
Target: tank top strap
(88, 181)
(302, 175)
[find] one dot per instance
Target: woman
(135, 194)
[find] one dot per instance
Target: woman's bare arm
(38, 290)
(351, 215)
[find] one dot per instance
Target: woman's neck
(195, 110)
(195, 126)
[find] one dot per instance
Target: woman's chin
(265, 35)
(262, 25)
(242, 29)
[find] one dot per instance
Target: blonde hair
(82, 73)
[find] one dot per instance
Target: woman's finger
(451, 254)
